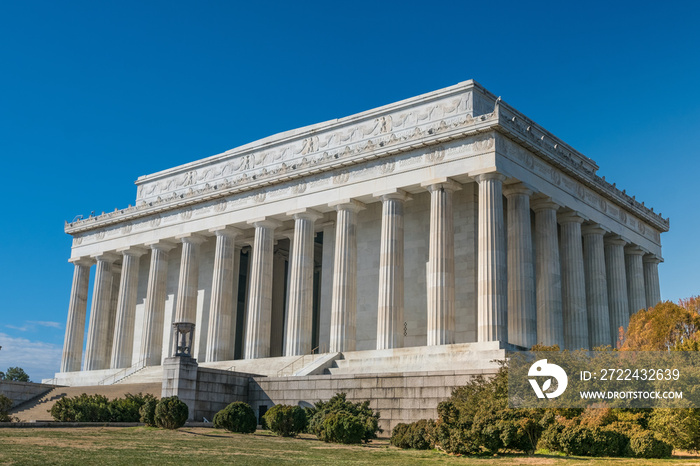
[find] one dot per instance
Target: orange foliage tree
(666, 326)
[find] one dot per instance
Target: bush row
(336, 420)
(476, 419)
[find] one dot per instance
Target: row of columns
(575, 292)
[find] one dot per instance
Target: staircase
(37, 409)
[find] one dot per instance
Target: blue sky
(95, 94)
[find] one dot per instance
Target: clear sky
(95, 94)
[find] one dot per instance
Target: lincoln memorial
(426, 235)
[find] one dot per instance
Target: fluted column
(259, 310)
(651, 279)
(224, 287)
(596, 286)
(522, 303)
(492, 295)
(573, 280)
(123, 343)
(390, 303)
(77, 308)
(344, 299)
(299, 319)
(617, 285)
(97, 349)
(635, 279)
(154, 309)
(550, 320)
(441, 263)
(187, 285)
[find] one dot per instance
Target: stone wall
(400, 397)
(216, 389)
(19, 392)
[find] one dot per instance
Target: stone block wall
(19, 392)
(216, 389)
(400, 397)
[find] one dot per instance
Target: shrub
(5, 406)
(587, 441)
(646, 445)
(127, 409)
(342, 427)
(286, 420)
(82, 408)
(171, 413)
(236, 417)
(417, 435)
(367, 418)
(147, 412)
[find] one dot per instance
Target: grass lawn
(144, 445)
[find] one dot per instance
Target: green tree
(15, 374)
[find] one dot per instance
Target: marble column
(97, 349)
(651, 279)
(522, 303)
(344, 299)
(596, 286)
(224, 295)
(123, 343)
(617, 285)
(440, 280)
(154, 309)
(550, 320)
(573, 282)
(187, 285)
(391, 271)
(77, 308)
(259, 310)
(492, 289)
(299, 317)
(635, 279)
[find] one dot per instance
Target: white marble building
(442, 219)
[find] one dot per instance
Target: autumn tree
(666, 326)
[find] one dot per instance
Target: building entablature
(424, 123)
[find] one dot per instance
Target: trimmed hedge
(171, 413)
(97, 408)
(342, 421)
(5, 406)
(646, 445)
(236, 417)
(286, 420)
(418, 435)
(147, 412)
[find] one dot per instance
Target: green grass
(143, 445)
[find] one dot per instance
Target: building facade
(444, 219)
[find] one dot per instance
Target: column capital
(164, 246)
(191, 238)
(444, 184)
(517, 189)
(613, 239)
(651, 259)
(85, 261)
(634, 250)
(265, 222)
(543, 204)
(348, 204)
(305, 214)
(593, 229)
(569, 216)
(229, 231)
(490, 176)
(134, 251)
(106, 256)
(397, 194)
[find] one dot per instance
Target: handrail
(124, 373)
(314, 352)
